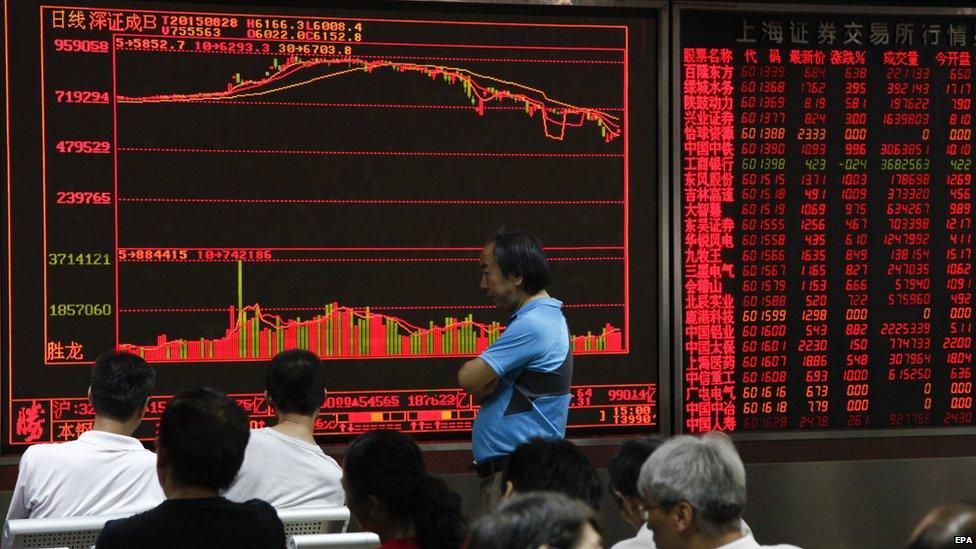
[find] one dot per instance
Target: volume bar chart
(344, 333)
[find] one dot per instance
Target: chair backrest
(73, 532)
(314, 520)
(358, 540)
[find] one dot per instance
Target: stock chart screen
(827, 236)
(207, 186)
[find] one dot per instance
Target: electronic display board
(209, 185)
(826, 185)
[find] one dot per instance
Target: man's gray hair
(706, 472)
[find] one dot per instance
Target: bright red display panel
(827, 232)
(215, 186)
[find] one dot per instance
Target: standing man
(521, 380)
(104, 470)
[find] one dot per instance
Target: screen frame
(638, 9)
(675, 201)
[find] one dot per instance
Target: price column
(79, 185)
(957, 344)
(854, 199)
(811, 344)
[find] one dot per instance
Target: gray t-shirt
(287, 472)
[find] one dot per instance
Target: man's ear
(161, 457)
(684, 516)
(89, 393)
(374, 506)
(509, 490)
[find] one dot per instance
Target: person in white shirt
(104, 470)
(282, 464)
(694, 492)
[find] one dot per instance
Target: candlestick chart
(216, 187)
(445, 134)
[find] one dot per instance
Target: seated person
(623, 470)
(283, 465)
(694, 491)
(551, 464)
(389, 491)
(202, 436)
(104, 470)
(950, 525)
(535, 520)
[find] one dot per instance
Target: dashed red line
(372, 307)
(368, 105)
(372, 201)
(355, 260)
(409, 57)
(369, 153)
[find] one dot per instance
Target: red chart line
(367, 249)
(370, 201)
(223, 310)
(459, 154)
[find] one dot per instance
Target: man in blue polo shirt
(522, 380)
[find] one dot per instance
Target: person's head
(389, 491)
(513, 268)
(537, 520)
(295, 381)
(552, 464)
(943, 525)
(120, 384)
(623, 470)
(201, 441)
(694, 488)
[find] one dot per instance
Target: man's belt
(489, 467)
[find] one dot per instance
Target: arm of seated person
(478, 379)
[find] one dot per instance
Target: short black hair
(625, 465)
(519, 253)
(202, 437)
(556, 465)
(295, 381)
(533, 520)
(120, 384)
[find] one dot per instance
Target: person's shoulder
(265, 517)
(49, 454)
(259, 508)
(129, 528)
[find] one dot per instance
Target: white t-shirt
(287, 472)
(645, 538)
(748, 542)
(98, 474)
